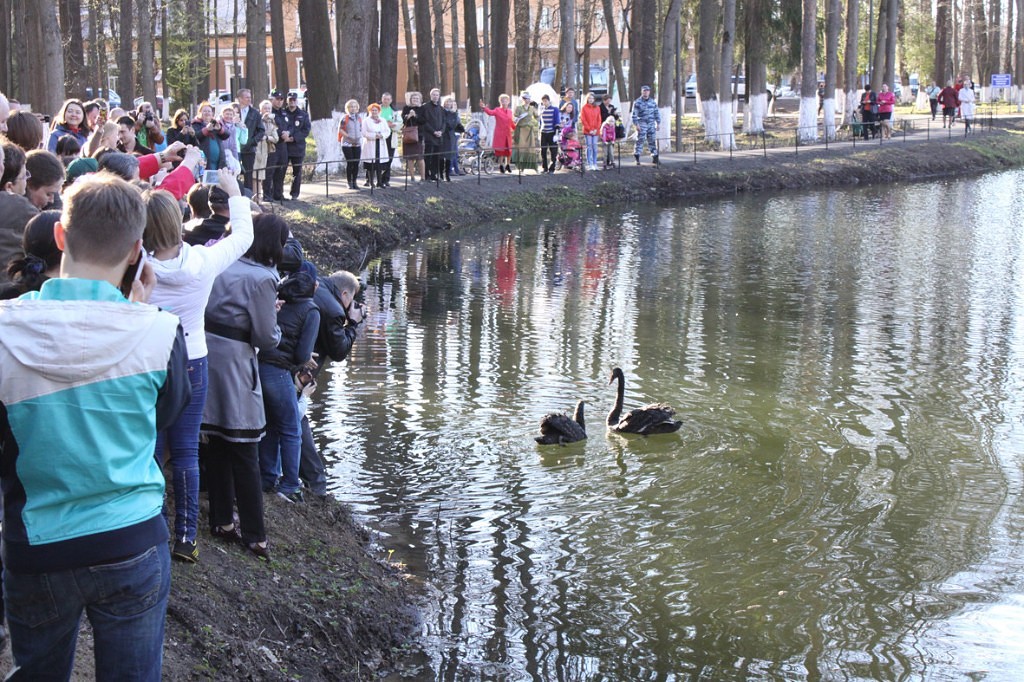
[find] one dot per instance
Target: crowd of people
(149, 323)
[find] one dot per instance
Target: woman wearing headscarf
(524, 155)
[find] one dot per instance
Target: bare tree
(833, 21)
(499, 48)
(523, 77)
(473, 81)
(673, 23)
(424, 44)
(643, 41)
(728, 139)
(614, 55)
(565, 72)
(318, 57)
(278, 43)
(45, 83)
(74, 50)
(356, 16)
(412, 74)
(943, 61)
(850, 71)
(256, 77)
(439, 45)
(891, 35)
(387, 51)
(807, 128)
(6, 51)
(878, 59)
(125, 54)
(147, 73)
(707, 66)
(456, 68)
(755, 18)
(1019, 51)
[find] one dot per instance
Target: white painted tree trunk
(725, 124)
(710, 109)
(849, 106)
(808, 122)
(829, 110)
(325, 133)
(757, 109)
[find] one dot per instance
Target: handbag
(620, 131)
(410, 135)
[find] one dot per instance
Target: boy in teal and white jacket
(87, 377)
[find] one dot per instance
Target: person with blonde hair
(502, 140)
(264, 148)
(350, 135)
(184, 278)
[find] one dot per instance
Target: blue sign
(1002, 80)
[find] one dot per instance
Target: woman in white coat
(967, 99)
(375, 149)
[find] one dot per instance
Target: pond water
(843, 500)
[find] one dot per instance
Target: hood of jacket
(297, 285)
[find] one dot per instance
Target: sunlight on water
(843, 500)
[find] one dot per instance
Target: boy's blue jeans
(126, 603)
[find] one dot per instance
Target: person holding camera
(147, 127)
(211, 135)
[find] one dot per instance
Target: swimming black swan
(558, 428)
(655, 418)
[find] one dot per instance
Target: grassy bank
(345, 232)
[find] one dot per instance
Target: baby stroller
(473, 158)
(569, 150)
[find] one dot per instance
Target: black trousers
(351, 163)
(296, 164)
(547, 143)
(248, 160)
(311, 465)
(233, 475)
(386, 175)
(434, 155)
(868, 124)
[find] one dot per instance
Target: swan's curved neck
(620, 391)
(578, 416)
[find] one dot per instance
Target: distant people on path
(83, 529)
(966, 98)
(412, 138)
(251, 118)
(949, 101)
(647, 120)
(433, 134)
(868, 111)
(295, 132)
(550, 121)
(394, 121)
(452, 129)
(211, 135)
(524, 155)
(265, 149)
(501, 142)
(886, 101)
(933, 91)
(277, 161)
(375, 149)
(590, 123)
(350, 135)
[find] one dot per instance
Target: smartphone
(211, 177)
(134, 271)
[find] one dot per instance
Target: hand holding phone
(211, 177)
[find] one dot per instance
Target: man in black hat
(296, 133)
(277, 160)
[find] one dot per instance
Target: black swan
(558, 428)
(655, 418)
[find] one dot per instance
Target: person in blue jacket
(647, 119)
(87, 378)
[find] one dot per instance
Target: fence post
(796, 142)
(694, 150)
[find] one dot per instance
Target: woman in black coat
(412, 119)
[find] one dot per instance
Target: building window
(546, 21)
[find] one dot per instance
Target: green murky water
(842, 502)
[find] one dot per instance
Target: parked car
(739, 83)
(218, 97)
(113, 99)
(598, 78)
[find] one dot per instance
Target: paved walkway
(913, 128)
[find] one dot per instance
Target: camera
(149, 116)
(211, 177)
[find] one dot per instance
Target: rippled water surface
(843, 500)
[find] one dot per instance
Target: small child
(608, 137)
(571, 148)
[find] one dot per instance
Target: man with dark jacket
(340, 317)
(277, 160)
(251, 119)
(433, 127)
(295, 133)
